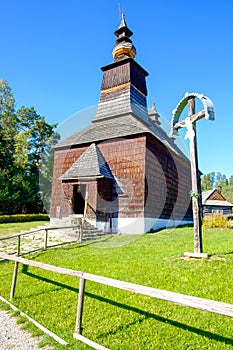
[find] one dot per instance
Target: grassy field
(15, 227)
(121, 320)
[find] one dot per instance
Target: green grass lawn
(15, 227)
(122, 320)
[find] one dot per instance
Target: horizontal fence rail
(37, 324)
(45, 243)
(213, 306)
(38, 230)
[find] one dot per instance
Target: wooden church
(122, 173)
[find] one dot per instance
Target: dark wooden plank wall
(148, 175)
(127, 162)
(61, 195)
(169, 183)
(210, 210)
(124, 72)
(126, 159)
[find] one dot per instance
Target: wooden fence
(46, 230)
(176, 298)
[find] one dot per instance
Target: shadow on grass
(169, 228)
(219, 255)
(143, 313)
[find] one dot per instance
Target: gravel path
(13, 337)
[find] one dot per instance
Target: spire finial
(153, 105)
(124, 47)
(153, 114)
(123, 23)
(123, 16)
(121, 13)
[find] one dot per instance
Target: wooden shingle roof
(121, 126)
(91, 164)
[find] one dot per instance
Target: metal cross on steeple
(190, 124)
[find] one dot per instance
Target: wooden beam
(85, 204)
(14, 279)
(173, 297)
(88, 342)
(196, 187)
(37, 324)
(193, 118)
(78, 327)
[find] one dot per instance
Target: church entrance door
(79, 198)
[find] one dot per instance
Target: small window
(163, 191)
(217, 211)
(166, 162)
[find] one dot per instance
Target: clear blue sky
(52, 51)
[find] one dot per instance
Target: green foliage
(26, 140)
(231, 180)
(23, 218)
(216, 220)
(207, 182)
(221, 183)
(15, 313)
(123, 320)
(227, 192)
(21, 319)
(7, 102)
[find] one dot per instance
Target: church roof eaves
(124, 61)
(117, 127)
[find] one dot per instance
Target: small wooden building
(122, 172)
(213, 202)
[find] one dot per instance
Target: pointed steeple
(123, 23)
(123, 28)
(124, 47)
(123, 89)
(154, 115)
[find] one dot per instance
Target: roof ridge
(90, 164)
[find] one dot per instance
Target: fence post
(78, 327)
(14, 278)
(81, 233)
(18, 247)
(46, 239)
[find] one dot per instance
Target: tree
(37, 137)
(222, 182)
(231, 180)
(8, 130)
(8, 124)
(207, 182)
(25, 139)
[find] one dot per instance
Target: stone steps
(88, 232)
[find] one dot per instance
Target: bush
(215, 220)
(4, 219)
(230, 222)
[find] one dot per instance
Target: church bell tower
(123, 88)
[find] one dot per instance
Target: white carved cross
(190, 124)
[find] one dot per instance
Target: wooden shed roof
(214, 198)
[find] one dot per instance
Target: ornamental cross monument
(190, 124)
